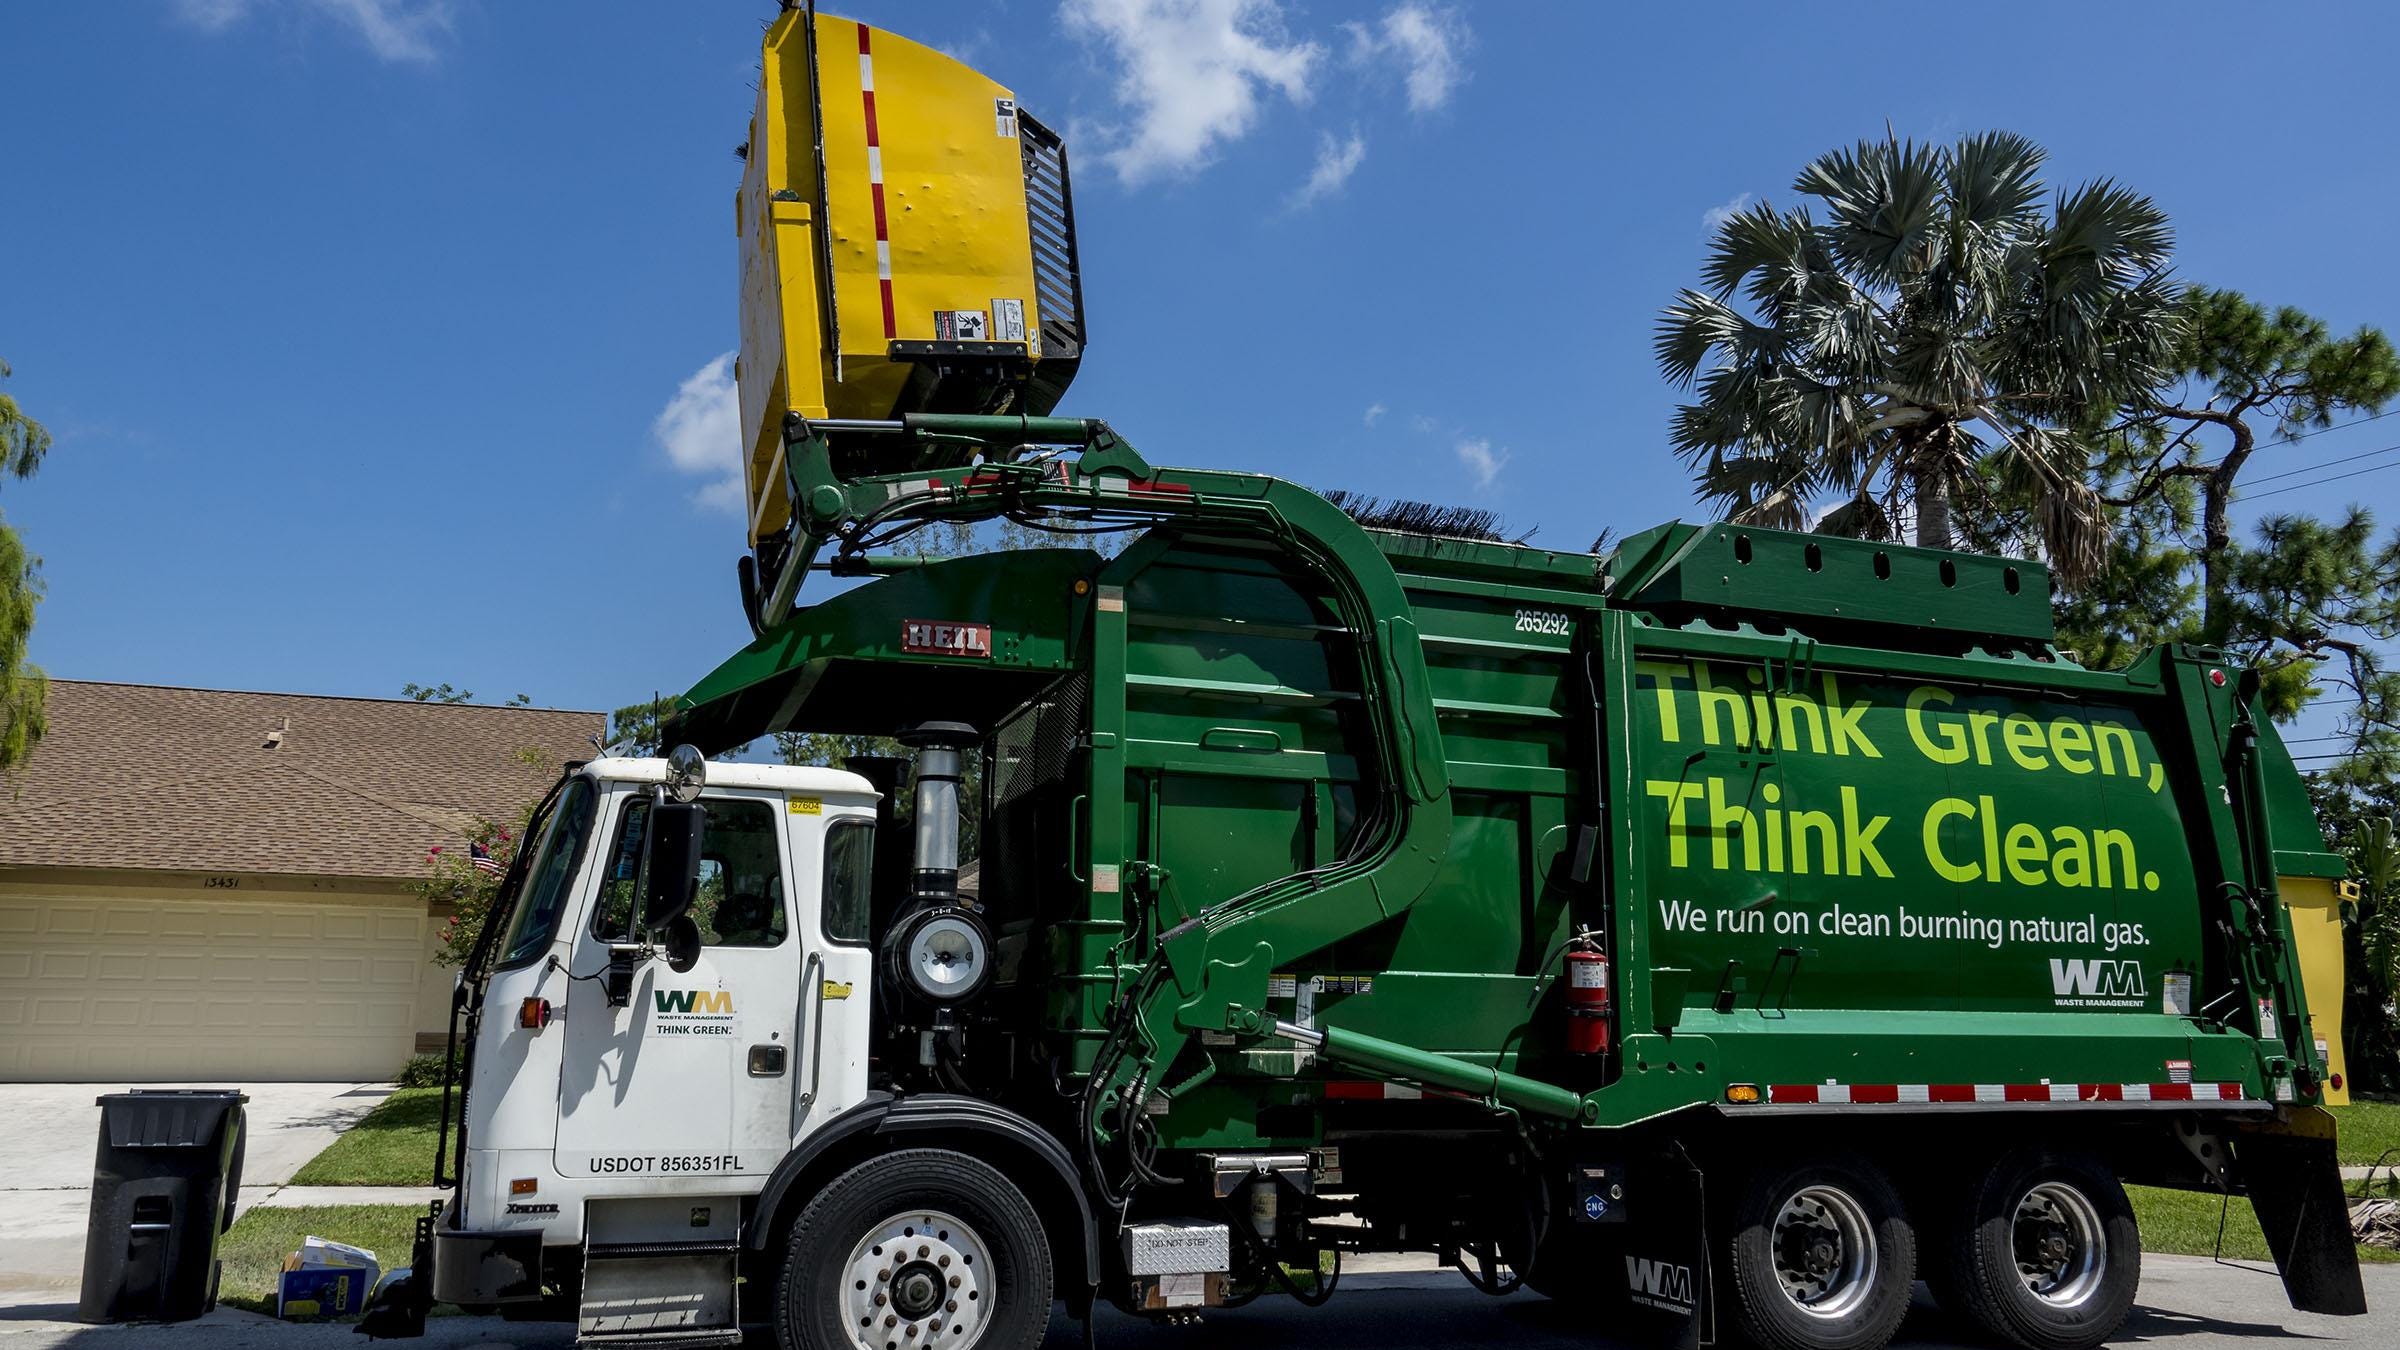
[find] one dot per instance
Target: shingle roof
(142, 776)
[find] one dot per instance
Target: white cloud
(1192, 73)
(1714, 218)
(396, 30)
(1482, 461)
(1427, 42)
(1375, 412)
(701, 430)
(1336, 161)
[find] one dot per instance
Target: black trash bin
(163, 1187)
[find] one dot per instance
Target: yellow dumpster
(907, 244)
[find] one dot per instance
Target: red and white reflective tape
(1356, 1091)
(1371, 1092)
(1867, 1094)
(883, 233)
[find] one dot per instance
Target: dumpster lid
(167, 1117)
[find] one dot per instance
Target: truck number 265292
(1544, 621)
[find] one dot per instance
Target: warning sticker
(1008, 320)
(1004, 116)
(961, 325)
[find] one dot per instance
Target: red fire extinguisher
(1588, 1015)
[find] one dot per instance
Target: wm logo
(2096, 978)
(1657, 1282)
(694, 1001)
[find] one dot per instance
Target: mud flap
(1660, 1254)
(2295, 1184)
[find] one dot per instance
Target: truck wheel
(2045, 1254)
(918, 1250)
(1821, 1258)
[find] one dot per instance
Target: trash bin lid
(167, 1117)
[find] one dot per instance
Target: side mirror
(672, 873)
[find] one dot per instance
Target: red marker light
(2217, 678)
(2335, 1082)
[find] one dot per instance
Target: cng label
(1658, 1284)
(942, 638)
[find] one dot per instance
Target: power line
(2320, 482)
(2318, 431)
(2346, 459)
(2340, 426)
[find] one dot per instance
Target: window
(560, 849)
(849, 865)
(740, 902)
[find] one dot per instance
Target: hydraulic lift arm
(858, 484)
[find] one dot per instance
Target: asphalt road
(2186, 1303)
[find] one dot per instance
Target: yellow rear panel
(2315, 904)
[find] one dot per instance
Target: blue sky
(375, 333)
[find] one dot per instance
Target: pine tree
(24, 690)
(2304, 600)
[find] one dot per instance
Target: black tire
(1821, 1257)
(2042, 1253)
(813, 1294)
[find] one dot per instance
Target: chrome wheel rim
(1824, 1251)
(2060, 1247)
(918, 1279)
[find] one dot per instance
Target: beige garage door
(97, 990)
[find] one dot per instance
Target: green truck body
(1839, 812)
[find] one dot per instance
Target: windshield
(546, 881)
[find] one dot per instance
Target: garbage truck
(1721, 933)
(1717, 934)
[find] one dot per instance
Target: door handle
(812, 1001)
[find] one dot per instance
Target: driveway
(50, 1131)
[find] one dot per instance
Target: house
(214, 884)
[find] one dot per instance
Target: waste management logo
(692, 1012)
(2096, 983)
(1657, 1284)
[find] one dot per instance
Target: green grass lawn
(2365, 1130)
(393, 1146)
(2184, 1223)
(254, 1251)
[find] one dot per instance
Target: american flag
(482, 857)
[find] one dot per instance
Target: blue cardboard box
(323, 1291)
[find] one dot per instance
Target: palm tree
(1938, 341)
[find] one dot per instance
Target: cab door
(694, 1075)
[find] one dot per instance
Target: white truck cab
(618, 1077)
(671, 1022)
(624, 1096)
